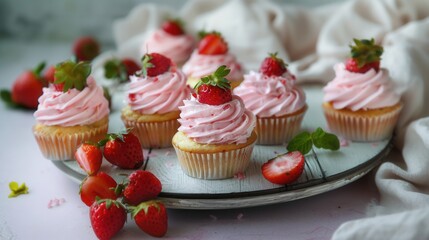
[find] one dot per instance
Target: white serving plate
(337, 168)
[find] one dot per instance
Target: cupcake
(215, 138)
(360, 103)
(277, 102)
(71, 110)
(171, 41)
(153, 99)
(211, 53)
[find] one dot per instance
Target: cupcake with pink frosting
(71, 110)
(171, 41)
(277, 102)
(216, 134)
(153, 100)
(360, 103)
(211, 53)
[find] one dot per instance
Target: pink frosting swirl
(200, 65)
(268, 96)
(356, 91)
(72, 108)
(216, 124)
(177, 48)
(160, 94)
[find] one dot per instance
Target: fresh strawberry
(151, 217)
(273, 66)
(107, 218)
(154, 64)
(70, 74)
(100, 185)
(212, 43)
(284, 169)
(120, 69)
(142, 186)
(26, 89)
(89, 158)
(123, 150)
(214, 89)
(86, 48)
(173, 27)
(365, 55)
(49, 74)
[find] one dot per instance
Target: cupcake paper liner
(278, 130)
(362, 128)
(153, 134)
(63, 147)
(219, 165)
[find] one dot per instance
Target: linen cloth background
(312, 40)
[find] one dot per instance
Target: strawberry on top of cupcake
(212, 52)
(172, 41)
(360, 83)
(278, 103)
(213, 115)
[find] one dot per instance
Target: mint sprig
(304, 141)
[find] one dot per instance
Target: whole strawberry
(365, 55)
(107, 218)
(154, 64)
(151, 217)
(86, 48)
(273, 66)
(214, 89)
(120, 69)
(173, 27)
(123, 150)
(100, 185)
(26, 89)
(212, 43)
(89, 157)
(142, 186)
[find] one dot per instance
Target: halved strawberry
(212, 43)
(173, 27)
(86, 48)
(100, 185)
(273, 66)
(151, 217)
(142, 186)
(154, 64)
(365, 55)
(284, 169)
(214, 89)
(89, 158)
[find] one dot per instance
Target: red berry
(284, 169)
(107, 218)
(154, 64)
(212, 44)
(131, 66)
(172, 27)
(151, 217)
(86, 48)
(352, 66)
(49, 74)
(27, 89)
(273, 66)
(213, 95)
(142, 186)
(123, 150)
(89, 158)
(100, 185)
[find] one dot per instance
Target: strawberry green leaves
(216, 79)
(72, 74)
(17, 189)
(304, 141)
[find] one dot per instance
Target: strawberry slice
(212, 43)
(89, 158)
(284, 169)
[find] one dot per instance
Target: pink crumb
(167, 153)
(240, 216)
(374, 144)
(240, 176)
(213, 217)
(56, 202)
(169, 164)
(344, 142)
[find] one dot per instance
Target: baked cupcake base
(279, 130)
(363, 125)
(60, 143)
(153, 130)
(211, 161)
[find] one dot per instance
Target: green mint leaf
(322, 139)
(301, 142)
(111, 69)
(17, 190)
